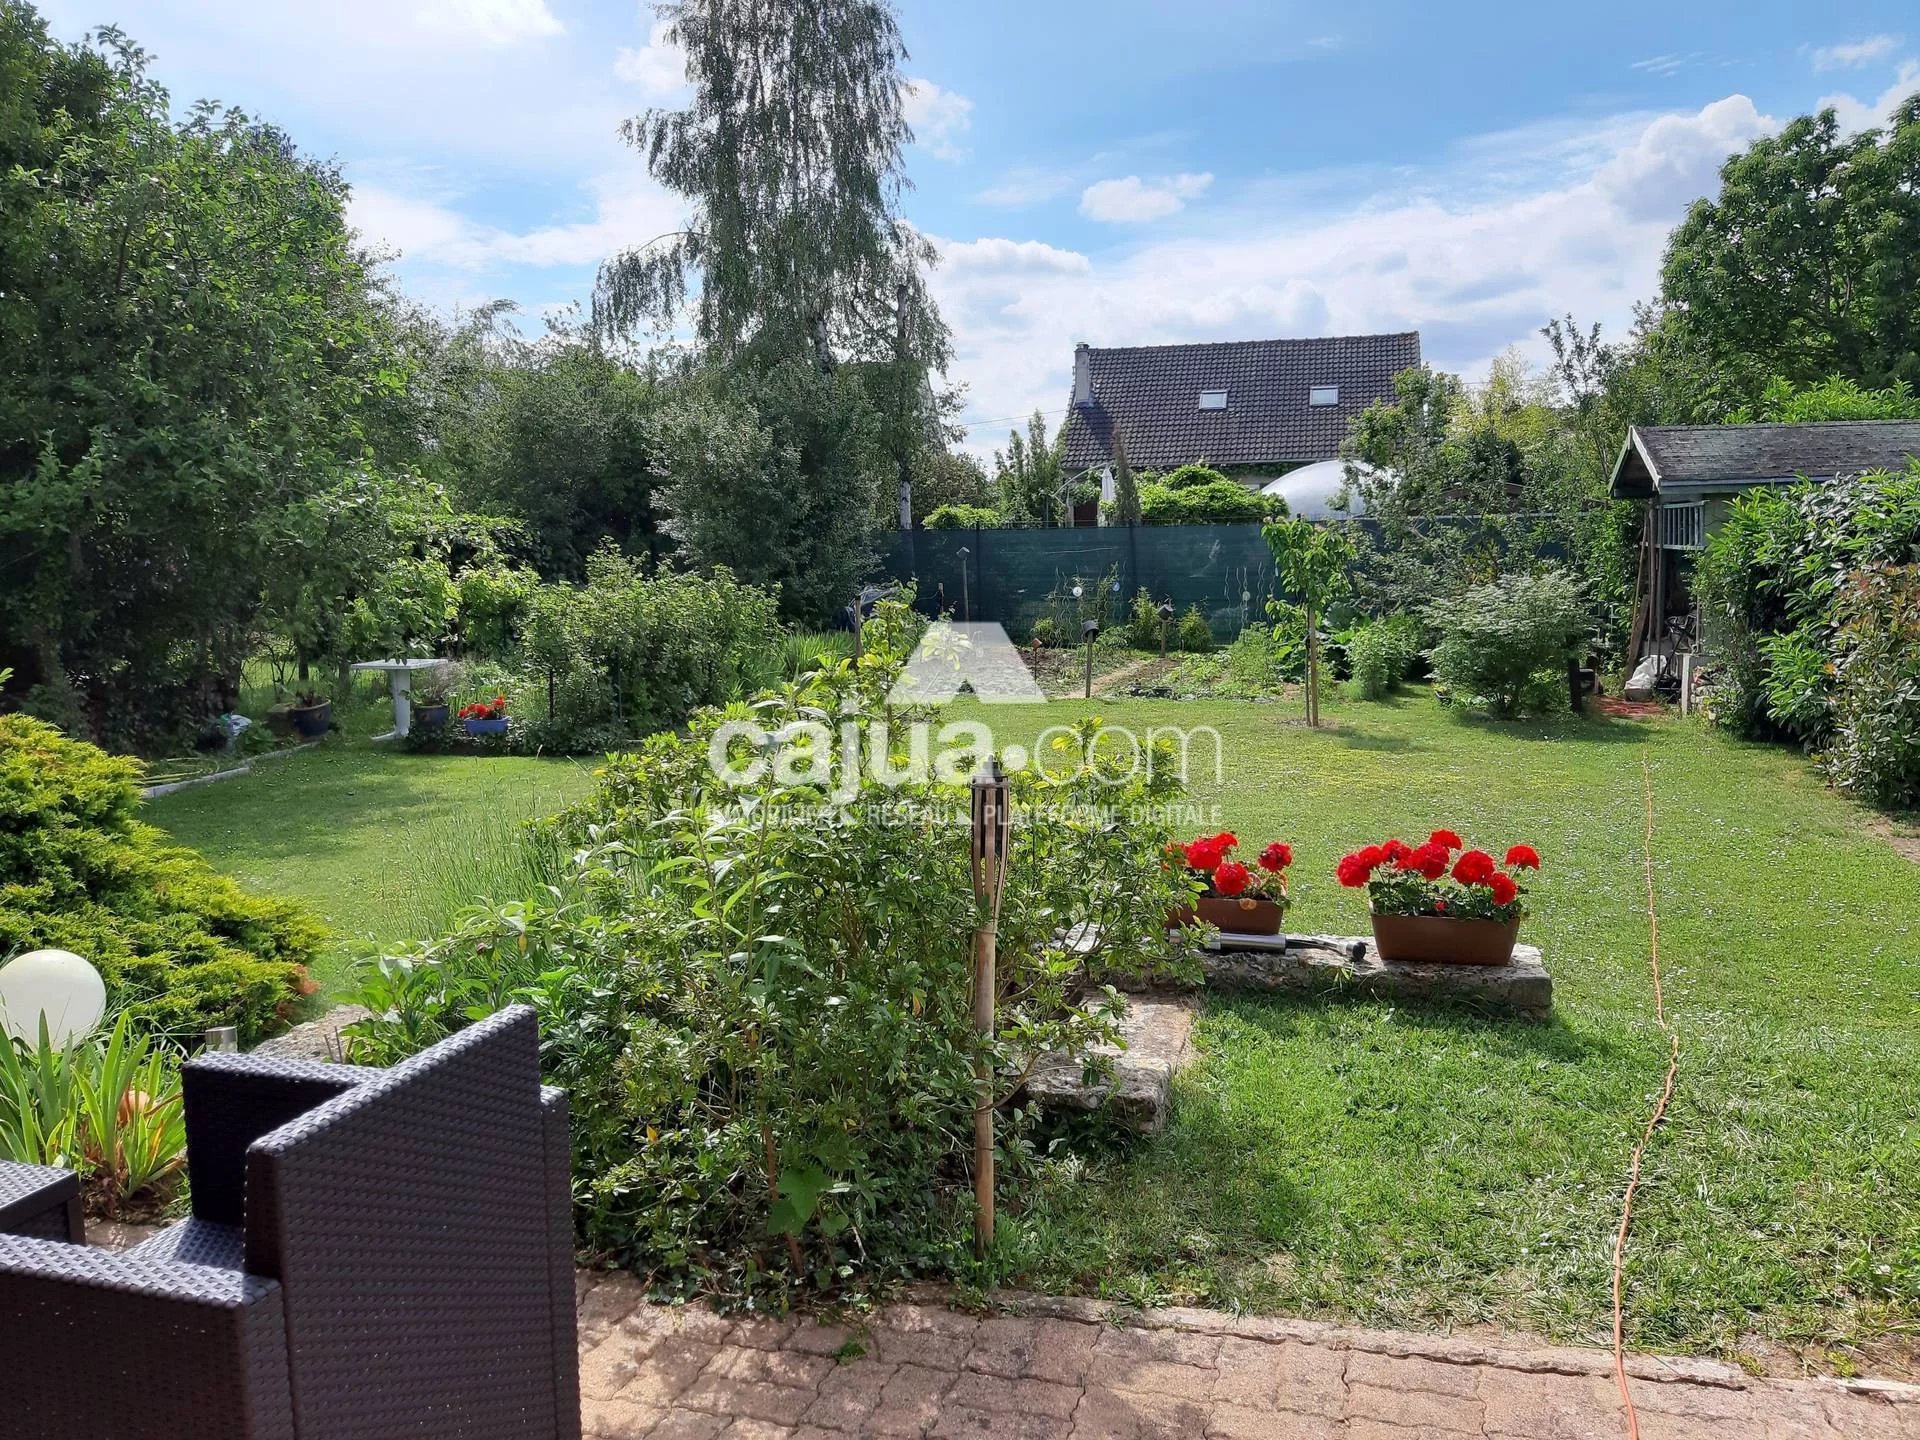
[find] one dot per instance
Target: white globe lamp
(57, 984)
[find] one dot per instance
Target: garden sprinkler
(1166, 624)
(992, 825)
(1090, 632)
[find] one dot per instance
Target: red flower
(1523, 857)
(1355, 870)
(1446, 838)
(1476, 867)
(1430, 860)
(1276, 857)
(1439, 907)
(1503, 888)
(1205, 853)
(1395, 849)
(1226, 839)
(1231, 878)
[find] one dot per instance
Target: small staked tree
(1126, 490)
(1312, 561)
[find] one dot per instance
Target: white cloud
(1664, 65)
(938, 117)
(1677, 158)
(1475, 267)
(1857, 115)
(493, 23)
(658, 68)
(1131, 200)
(1026, 185)
(1854, 54)
(628, 210)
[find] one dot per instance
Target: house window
(1324, 395)
(1213, 399)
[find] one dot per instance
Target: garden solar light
(54, 987)
(1090, 631)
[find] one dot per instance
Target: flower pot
(430, 717)
(1442, 940)
(1237, 915)
(311, 722)
(486, 727)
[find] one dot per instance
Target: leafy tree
(943, 478)
(558, 434)
(777, 476)
(1312, 561)
(790, 156)
(1835, 398)
(1808, 260)
(195, 370)
(1126, 491)
(1028, 475)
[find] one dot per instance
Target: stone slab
(1320, 964)
(1136, 1077)
(317, 1039)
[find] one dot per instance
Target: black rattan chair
(372, 1254)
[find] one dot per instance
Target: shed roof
(1700, 458)
(1153, 392)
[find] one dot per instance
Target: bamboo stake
(991, 823)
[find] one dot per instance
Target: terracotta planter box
(1236, 916)
(1438, 940)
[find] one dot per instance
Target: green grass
(1425, 1168)
(385, 844)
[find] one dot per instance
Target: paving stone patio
(1042, 1369)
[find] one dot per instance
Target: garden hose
(1653, 1121)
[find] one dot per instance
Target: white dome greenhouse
(1311, 489)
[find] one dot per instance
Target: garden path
(1063, 1368)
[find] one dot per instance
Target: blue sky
(1108, 170)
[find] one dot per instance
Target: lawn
(1406, 1167)
(384, 844)
(1428, 1169)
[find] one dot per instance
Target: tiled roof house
(1256, 408)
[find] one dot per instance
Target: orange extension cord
(1653, 1122)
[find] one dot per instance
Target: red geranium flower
(1231, 878)
(1354, 870)
(1446, 838)
(1227, 839)
(1503, 888)
(1439, 907)
(1476, 867)
(1277, 856)
(1395, 849)
(1430, 860)
(1523, 857)
(1205, 853)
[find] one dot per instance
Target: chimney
(1082, 375)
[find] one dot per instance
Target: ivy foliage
(180, 947)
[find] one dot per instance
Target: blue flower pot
(486, 727)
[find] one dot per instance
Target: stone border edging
(1406, 1344)
(154, 792)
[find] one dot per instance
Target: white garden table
(400, 675)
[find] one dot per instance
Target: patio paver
(1051, 1369)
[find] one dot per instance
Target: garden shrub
(626, 653)
(764, 1025)
(181, 947)
(1145, 629)
(1194, 633)
(1504, 646)
(1809, 598)
(1045, 633)
(1874, 749)
(963, 517)
(1217, 502)
(1191, 476)
(1380, 655)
